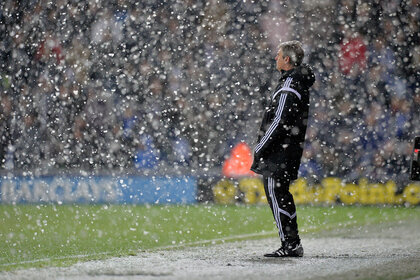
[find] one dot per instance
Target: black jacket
(282, 134)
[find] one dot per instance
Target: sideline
(213, 241)
(167, 247)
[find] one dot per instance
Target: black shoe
(287, 251)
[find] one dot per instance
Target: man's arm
(280, 125)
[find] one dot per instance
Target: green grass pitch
(58, 235)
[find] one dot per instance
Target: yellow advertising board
(331, 190)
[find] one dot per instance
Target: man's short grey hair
(294, 50)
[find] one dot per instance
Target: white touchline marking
(57, 258)
(203, 242)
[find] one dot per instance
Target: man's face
(281, 63)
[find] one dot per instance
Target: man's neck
(288, 67)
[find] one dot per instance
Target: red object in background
(239, 162)
(48, 46)
(353, 51)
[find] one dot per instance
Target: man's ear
(287, 59)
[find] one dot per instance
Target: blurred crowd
(367, 100)
(170, 84)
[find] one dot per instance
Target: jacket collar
(285, 73)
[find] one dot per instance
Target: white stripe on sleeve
(275, 123)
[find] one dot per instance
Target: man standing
(280, 143)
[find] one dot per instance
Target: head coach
(279, 147)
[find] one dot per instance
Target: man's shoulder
(299, 79)
(285, 93)
(304, 75)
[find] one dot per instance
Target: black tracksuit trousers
(283, 207)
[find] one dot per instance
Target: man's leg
(284, 211)
(283, 207)
(267, 182)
